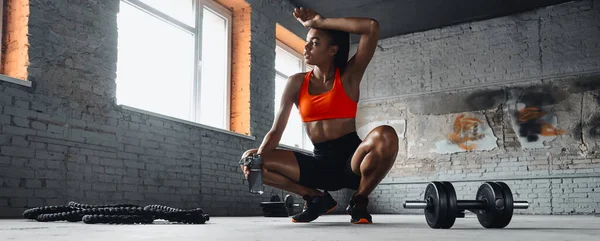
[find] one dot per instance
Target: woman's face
(318, 49)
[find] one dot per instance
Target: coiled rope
(115, 214)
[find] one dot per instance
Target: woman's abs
(324, 130)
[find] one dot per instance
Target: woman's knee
(385, 138)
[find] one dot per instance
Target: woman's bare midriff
(324, 130)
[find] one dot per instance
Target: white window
(287, 63)
(174, 59)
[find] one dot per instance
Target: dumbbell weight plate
(452, 208)
(508, 206)
(272, 204)
(437, 213)
(275, 198)
(275, 208)
(489, 192)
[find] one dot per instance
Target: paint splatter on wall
(534, 126)
(466, 132)
(469, 133)
(530, 112)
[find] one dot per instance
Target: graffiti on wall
(532, 124)
(531, 115)
(469, 133)
(466, 132)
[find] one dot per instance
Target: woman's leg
(374, 158)
(281, 170)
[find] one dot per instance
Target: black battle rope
(115, 214)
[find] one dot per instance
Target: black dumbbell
(276, 208)
(493, 205)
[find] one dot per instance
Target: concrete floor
(329, 227)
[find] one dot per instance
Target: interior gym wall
(64, 139)
(514, 99)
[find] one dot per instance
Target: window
(174, 59)
(287, 63)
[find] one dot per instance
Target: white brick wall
(438, 72)
(547, 42)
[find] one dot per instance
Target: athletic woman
(327, 99)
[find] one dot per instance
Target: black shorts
(328, 168)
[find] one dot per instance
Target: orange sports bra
(329, 105)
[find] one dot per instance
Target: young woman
(327, 99)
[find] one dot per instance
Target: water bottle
(255, 177)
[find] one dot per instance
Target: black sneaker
(315, 206)
(357, 208)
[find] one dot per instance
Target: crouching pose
(327, 98)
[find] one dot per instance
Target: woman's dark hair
(342, 40)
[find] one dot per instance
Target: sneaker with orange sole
(357, 208)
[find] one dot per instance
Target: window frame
(303, 67)
(196, 31)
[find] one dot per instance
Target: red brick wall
(15, 44)
(240, 68)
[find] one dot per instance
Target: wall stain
(488, 99)
(586, 84)
(577, 131)
(593, 126)
(543, 95)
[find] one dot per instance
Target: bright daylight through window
(174, 58)
(287, 63)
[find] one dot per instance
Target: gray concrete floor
(328, 227)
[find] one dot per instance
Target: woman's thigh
(283, 162)
(280, 161)
(303, 168)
